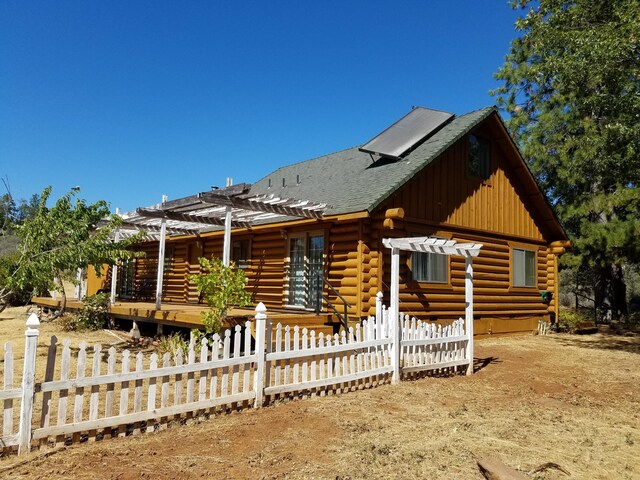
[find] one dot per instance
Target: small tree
(221, 287)
(57, 241)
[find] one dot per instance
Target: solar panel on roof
(407, 132)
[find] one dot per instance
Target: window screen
(524, 268)
(429, 267)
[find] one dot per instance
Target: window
(523, 268)
(429, 267)
(240, 253)
(168, 259)
(479, 157)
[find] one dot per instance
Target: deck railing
(343, 317)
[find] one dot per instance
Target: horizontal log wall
(498, 306)
(266, 272)
(146, 271)
(344, 261)
(176, 270)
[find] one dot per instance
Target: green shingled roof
(350, 182)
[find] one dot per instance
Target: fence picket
(202, 383)
(247, 351)
(278, 349)
(191, 380)
(7, 419)
(321, 365)
(226, 349)
(164, 394)
(287, 345)
(124, 386)
(137, 395)
(329, 371)
(78, 402)
(151, 393)
(236, 354)
(45, 415)
(111, 369)
(215, 355)
(268, 349)
(296, 347)
(64, 375)
(94, 397)
(177, 386)
(314, 362)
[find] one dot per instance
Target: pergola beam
(275, 205)
(155, 228)
(434, 245)
(187, 217)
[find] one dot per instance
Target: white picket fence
(87, 394)
(299, 362)
(429, 346)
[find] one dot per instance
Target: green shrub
(171, 344)
(570, 321)
(631, 321)
(94, 314)
(69, 323)
(221, 287)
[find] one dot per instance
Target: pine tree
(571, 90)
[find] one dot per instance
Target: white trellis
(232, 206)
(441, 247)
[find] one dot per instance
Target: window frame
(513, 265)
(412, 259)
(169, 251)
(429, 283)
(243, 264)
(305, 235)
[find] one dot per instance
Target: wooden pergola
(229, 207)
(441, 247)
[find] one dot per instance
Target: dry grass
(560, 398)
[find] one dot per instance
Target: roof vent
(411, 130)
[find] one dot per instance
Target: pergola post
(163, 237)
(226, 247)
(114, 269)
(468, 311)
(394, 314)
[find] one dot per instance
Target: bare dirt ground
(572, 400)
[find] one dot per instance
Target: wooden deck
(188, 315)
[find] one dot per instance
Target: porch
(184, 315)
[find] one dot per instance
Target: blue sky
(131, 100)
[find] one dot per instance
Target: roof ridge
(490, 107)
(311, 159)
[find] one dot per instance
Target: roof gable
(350, 182)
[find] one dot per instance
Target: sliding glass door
(306, 265)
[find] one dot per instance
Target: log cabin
(429, 174)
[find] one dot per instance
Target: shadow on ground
(602, 342)
(480, 363)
